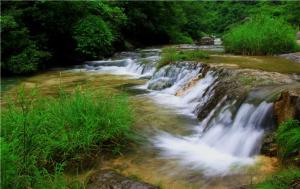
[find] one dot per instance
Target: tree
(93, 37)
(19, 53)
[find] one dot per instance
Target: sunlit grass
(172, 55)
(288, 138)
(40, 134)
(281, 180)
(261, 35)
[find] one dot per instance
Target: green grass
(288, 138)
(288, 141)
(261, 35)
(40, 135)
(171, 55)
(281, 180)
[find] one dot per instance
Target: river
(177, 150)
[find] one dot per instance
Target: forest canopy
(42, 34)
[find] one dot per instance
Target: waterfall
(225, 147)
(227, 139)
(133, 65)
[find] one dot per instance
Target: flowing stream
(223, 143)
(179, 151)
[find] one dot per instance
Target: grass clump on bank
(288, 138)
(170, 55)
(40, 135)
(262, 35)
(288, 141)
(282, 180)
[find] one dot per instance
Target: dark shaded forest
(39, 35)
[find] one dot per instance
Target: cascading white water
(186, 103)
(135, 67)
(221, 148)
(222, 142)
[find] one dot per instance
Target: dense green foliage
(261, 35)
(19, 53)
(223, 15)
(92, 35)
(282, 180)
(288, 138)
(40, 135)
(41, 34)
(171, 55)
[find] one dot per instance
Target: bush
(170, 55)
(288, 138)
(180, 38)
(27, 61)
(261, 35)
(93, 37)
(39, 135)
(281, 180)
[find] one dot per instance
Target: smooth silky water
(177, 150)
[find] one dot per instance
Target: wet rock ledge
(109, 179)
(288, 105)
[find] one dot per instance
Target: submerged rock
(287, 106)
(160, 84)
(109, 179)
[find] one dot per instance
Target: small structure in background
(206, 41)
(298, 37)
(217, 41)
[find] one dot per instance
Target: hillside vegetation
(41, 34)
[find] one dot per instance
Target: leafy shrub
(288, 138)
(170, 55)
(180, 38)
(19, 53)
(27, 61)
(281, 180)
(38, 135)
(261, 35)
(93, 37)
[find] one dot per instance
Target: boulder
(109, 179)
(287, 106)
